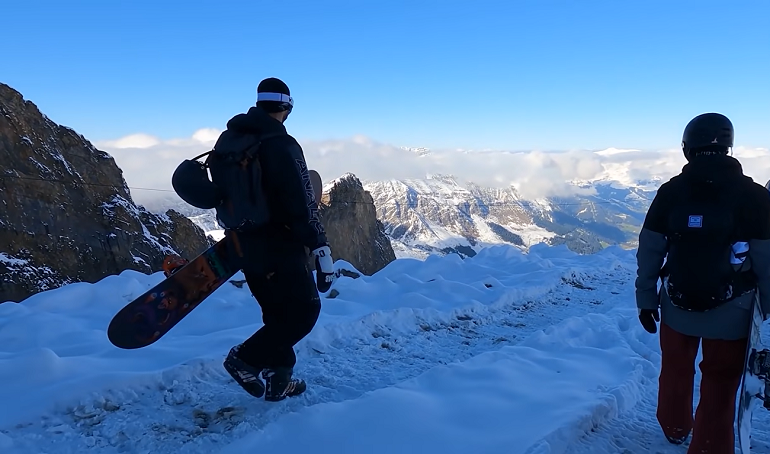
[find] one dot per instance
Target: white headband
(279, 97)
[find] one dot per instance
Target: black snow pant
(290, 308)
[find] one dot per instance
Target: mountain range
(438, 215)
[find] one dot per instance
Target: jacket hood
(255, 121)
(713, 168)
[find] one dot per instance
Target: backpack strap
(206, 162)
(252, 154)
(202, 155)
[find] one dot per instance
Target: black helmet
(709, 132)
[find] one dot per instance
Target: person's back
(293, 222)
(271, 222)
(702, 222)
(707, 214)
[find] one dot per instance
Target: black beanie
(276, 87)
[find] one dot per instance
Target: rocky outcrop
(66, 213)
(354, 232)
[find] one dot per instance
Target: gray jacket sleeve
(759, 254)
(649, 260)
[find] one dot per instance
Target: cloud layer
(148, 162)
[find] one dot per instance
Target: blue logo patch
(695, 221)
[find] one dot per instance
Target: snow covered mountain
(437, 214)
(205, 219)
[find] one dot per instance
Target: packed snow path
(491, 334)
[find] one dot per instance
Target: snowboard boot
(245, 375)
(279, 384)
(676, 440)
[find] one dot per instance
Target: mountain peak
(420, 151)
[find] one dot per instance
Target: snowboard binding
(172, 264)
(759, 366)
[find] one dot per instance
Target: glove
(648, 317)
(324, 265)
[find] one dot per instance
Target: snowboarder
(711, 224)
(271, 217)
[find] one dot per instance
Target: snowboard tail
(149, 317)
(315, 180)
(755, 378)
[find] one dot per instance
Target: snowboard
(754, 385)
(315, 180)
(756, 375)
(150, 316)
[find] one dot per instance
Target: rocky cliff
(354, 232)
(66, 213)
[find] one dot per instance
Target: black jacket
(752, 210)
(751, 199)
(287, 187)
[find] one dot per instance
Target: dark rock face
(66, 213)
(354, 232)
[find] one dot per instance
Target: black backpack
(702, 227)
(235, 187)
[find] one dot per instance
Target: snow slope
(544, 392)
(506, 351)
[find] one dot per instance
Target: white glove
(324, 266)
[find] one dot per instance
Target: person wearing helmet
(711, 226)
(273, 253)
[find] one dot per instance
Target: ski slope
(504, 352)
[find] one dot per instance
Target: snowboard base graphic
(147, 318)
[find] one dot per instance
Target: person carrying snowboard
(711, 225)
(270, 217)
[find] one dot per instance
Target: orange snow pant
(721, 369)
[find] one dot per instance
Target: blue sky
(517, 75)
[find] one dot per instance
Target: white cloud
(206, 135)
(614, 151)
(149, 162)
(133, 141)
(755, 163)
